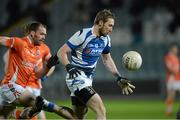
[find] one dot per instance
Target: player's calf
(65, 112)
(62, 111)
(178, 115)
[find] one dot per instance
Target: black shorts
(81, 97)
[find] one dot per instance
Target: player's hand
(125, 85)
(53, 60)
(72, 70)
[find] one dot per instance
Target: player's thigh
(171, 89)
(26, 99)
(95, 103)
(13, 93)
(90, 98)
(171, 93)
(78, 106)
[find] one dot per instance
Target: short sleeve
(75, 40)
(47, 54)
(15, 43)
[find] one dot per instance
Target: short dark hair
(173, 44)
(32, 27)
(103, 15)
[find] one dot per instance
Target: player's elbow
(60, 53)
(63, 51)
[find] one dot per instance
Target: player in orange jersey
(172, 76)
(34, 85)
(26, 56)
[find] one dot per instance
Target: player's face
(107, 27)
(175, 50)
(39, 36)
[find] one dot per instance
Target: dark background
(147, 26)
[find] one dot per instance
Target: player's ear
(32, 33)
(100, 23)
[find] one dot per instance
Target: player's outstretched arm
(109, 63)
(124, 83)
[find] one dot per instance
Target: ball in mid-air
(132, 60)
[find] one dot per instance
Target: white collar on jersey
(29, 39)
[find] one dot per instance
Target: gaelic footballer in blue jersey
(86, 46)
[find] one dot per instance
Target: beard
(101, 32)
(37, 41)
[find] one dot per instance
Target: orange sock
(169, 106)
(17, 113)
(34, 118)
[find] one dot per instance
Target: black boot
(178, 115)
(37, 107)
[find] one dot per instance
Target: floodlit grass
(128, 109)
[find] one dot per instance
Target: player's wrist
(69, 67)
(118, 76)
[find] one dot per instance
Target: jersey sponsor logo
(96, 52)
(38, 53)
(87, 51)
(30, 64)
(32, 53)
(94, 49)
(93, 52)
(96, 45)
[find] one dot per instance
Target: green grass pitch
(129, 109)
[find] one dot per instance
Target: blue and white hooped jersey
(87, 48)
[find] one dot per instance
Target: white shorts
(34, 91)
(173, 85)
(78, 83)
(10, 92)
